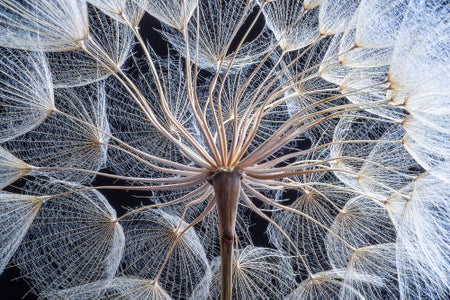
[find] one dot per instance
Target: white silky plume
(218, 26)
(105, 50)
(378, 22)
(423, 240)
(178, 270)
(74, 239)
(258, 273)
(66, 142)
(380, 262)
(122, 10)
(26, 92)
(334, 16)
(122, 287)
(174, 13)
(11, 168)
(361, 223)
(325, 285)
(43, 25)
(293, 26)
(319, 206)
(17, 212)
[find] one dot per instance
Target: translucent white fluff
(43, 25)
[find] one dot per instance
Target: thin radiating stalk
(264, 199)
(202, 158)
(204, 190)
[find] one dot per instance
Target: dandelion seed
(43, 25)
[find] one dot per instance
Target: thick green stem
(227, 185)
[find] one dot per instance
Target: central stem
(227, 185)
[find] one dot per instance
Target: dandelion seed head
(237, 150)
